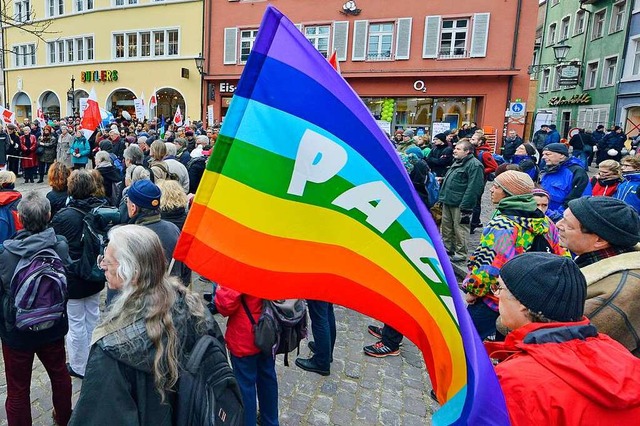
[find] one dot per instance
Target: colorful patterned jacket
(510, 232)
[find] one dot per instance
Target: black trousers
(391, 338)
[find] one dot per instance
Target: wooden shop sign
(581, 99)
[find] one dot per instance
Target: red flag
(7, 116)
(91, 118)
(40, 117)
(333, 60)
(153, 103)
(177, 118)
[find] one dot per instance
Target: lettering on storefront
(99, 76)
(581, 99)
(227, 88)
(419, 86)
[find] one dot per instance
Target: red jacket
(605, 188)
(29, 152)
(488, 162)
(567, 374)
(239, 334)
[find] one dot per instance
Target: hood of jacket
(131, 344)
(585, 360)
(522, 209)
(9, 196)
(86, 204)
(110, 173)
(25, 243)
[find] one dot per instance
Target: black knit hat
(611, 219)
(547, 284)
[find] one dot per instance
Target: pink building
(443, 63)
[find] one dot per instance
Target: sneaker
(73, 373)
(375, 331)
(380, 350)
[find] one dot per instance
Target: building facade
(442, 64)
(628, 100)
(580, 91)
(123, 49)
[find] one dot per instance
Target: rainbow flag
(305, 197)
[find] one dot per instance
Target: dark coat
(68, 223)
(111, 175)
(509, 147)
(196, 169)
(4, 147)
(11, 251)
(176, 216)
(440, 158)
(58, 200)
(49, 143)
(464, 183)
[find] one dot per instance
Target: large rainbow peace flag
(305, 197)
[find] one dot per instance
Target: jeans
(18, 366)
(484, 318)
(323, 327)
(257, 372)
(83, 316)
(391, 338)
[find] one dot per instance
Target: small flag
(8, 116)
(91, 118)
(40, 117)
(161, 128)
(153, 102)
(177, 118)
(333, 60)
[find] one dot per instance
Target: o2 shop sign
(419, 86)
(99, 76)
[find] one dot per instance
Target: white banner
(82, 103)
(441, 127)
(138, 103)
(210, 115)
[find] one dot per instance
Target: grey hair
(202, 139)
(142, 139)
(171, 148)
(151, 295)
(34, 210)
(134, 154)
(102, 157)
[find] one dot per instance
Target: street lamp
(200, 66)
(560, 51)
(71, 95)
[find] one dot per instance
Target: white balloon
(126, 115)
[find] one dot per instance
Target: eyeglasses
(496, 288)
(100, 260)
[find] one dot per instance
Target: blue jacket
(565, 182)
(552, 137)
(84, 149)
(628, 190)
(612, 140)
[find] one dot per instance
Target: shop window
(247, 38)
(453, 38)
(580, 22)
(55, 8)
(24, 55)
(82, 5)
(450, 38)
(22, 10)
(609, 71)
(618, 15)
(598, 24)
(318, 35)
(591, 77)
(544, 82)
(564, 28)
(71, 50)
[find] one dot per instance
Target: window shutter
(230, 45)
(359, 51)
(480, 35)
(431, 37)
(403, 38)
(340, 36)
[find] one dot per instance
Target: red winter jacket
(29, 152)
(567, 374)
(604, 187)
(239, 334)
(488, 162)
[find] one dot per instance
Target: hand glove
(465, 217)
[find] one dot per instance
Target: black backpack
(208, 393)
(95, 225)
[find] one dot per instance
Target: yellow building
(124, 49)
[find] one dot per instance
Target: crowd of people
(560, 252)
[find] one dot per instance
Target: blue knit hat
(144, 194)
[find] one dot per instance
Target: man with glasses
(603, 232)
(555, 367)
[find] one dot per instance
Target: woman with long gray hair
(136, 350)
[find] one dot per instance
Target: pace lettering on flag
(308, 199)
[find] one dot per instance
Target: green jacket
(463, 184)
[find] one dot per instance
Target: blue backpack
(39, 291)
(499, 158)
(117, 163)
(433, 189)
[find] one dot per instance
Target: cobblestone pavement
(360, 390)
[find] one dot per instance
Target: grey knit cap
(611, 219)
